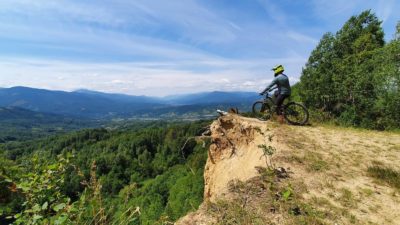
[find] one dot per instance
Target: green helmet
(278, 69)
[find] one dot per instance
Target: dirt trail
(329, 164)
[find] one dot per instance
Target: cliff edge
(266, 173)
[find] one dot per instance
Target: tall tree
(387, 85)
(317, 75)
(339, 75)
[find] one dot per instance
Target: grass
(367, 192)
(232, 212)
(263, 199)
(312, 160)
(347, 199)
(385, 174)
(315, 162)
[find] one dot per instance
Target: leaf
(36, 208)
(61, 219)
(37, 217)
(287, 194)
(59, 207)
(52, 167)
(45, 205)
(69, 155)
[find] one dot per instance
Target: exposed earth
(267, 173)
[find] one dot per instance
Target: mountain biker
(282, 83)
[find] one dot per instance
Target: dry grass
(330, 181)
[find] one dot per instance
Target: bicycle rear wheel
(295, 113)
(261, 110)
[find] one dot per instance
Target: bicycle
(293, 112)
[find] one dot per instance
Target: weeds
(268, 151)
(232, 212)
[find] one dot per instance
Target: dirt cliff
(266, 173)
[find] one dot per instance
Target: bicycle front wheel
(261, 110)
(295, 113)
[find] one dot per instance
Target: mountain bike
(293, 112)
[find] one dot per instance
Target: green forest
(353, 76)
(152, 172)
(142, 174)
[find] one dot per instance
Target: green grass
(385, 174)
(347, 199)
(315, 162)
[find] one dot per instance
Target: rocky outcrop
(234, 153)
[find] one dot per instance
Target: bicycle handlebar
(267, 94)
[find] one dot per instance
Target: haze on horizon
(157, 48)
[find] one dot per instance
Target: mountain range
(98, 105)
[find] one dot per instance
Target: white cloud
(118, 82)
(163, 47)
(141, 78)
(385, 9)
(301, 38)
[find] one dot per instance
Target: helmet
(278, 69)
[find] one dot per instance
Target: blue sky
(162, 47)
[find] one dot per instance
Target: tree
(387, 86)
(339, 75)
(317, 75)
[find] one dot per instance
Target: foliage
(268, 151)
(133, 175)
(43, 201)
(19, 124)
(353, 75)
(10, 198)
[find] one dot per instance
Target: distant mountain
(83, 104)
(93, 104)
(122, 97)
(206, 98)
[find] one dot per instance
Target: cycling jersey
(282, 81)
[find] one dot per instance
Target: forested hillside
(19, 124)
(353, 76)
(104, 176)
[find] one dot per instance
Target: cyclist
(282, 83)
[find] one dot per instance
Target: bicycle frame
(269, 100)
